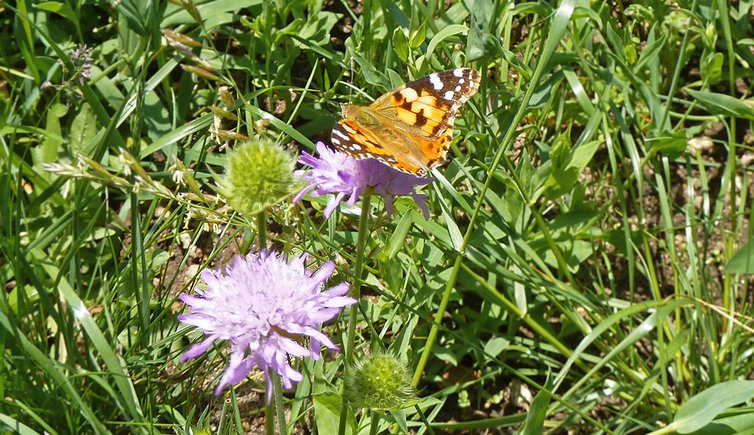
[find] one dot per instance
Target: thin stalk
(262, 230)
(277, 392)
(269, 421)
(432, 336)
(375, 423)
(356, 294)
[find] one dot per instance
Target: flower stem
(276, 408)
(358, 270)
(375, 423)
(269, 420)
(261, 230)
(348, 349)
(270, 408)
(279, 406)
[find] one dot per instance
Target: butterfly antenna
(350, 95)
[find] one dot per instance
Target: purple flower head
(266, 307)
(340, 174)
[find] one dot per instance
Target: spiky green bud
(380, 382)
(260, 174)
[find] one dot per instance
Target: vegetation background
(586, 266)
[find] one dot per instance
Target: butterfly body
(408, 128)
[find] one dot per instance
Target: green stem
(262, 230)
(269, 421)
(279, 406)
(375, 423)
(348, 349)
(432, 336)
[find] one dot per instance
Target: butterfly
(408, 128)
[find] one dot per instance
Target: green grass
(585, 268)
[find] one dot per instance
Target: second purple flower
(267, 308)
(333, 172)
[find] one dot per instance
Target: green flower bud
(380, 382)
(260, 174)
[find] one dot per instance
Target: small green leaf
(743, 260)
(560, 151)
(495, 346)
(561, 178)
(712, 68)
(400, 419)
(671, 146)
(629, 52)
(418, 36)
(400, 43)
(616, 40)
(83, 130)
(582, 155)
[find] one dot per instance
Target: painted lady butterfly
(408, 128)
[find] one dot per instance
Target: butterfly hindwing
(347, 138)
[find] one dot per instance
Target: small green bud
(380, 382)
(260, 174)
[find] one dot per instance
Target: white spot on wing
(436, 81)
(458, 72)
(339, 133)
(449, 95)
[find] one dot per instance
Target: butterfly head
(345, 109)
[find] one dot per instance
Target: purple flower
(340, 174)
(266, 307)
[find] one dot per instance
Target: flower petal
(299, 196)
(238, 368)
(324, 272)
(198, 349)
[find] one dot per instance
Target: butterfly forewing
(428, 106)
